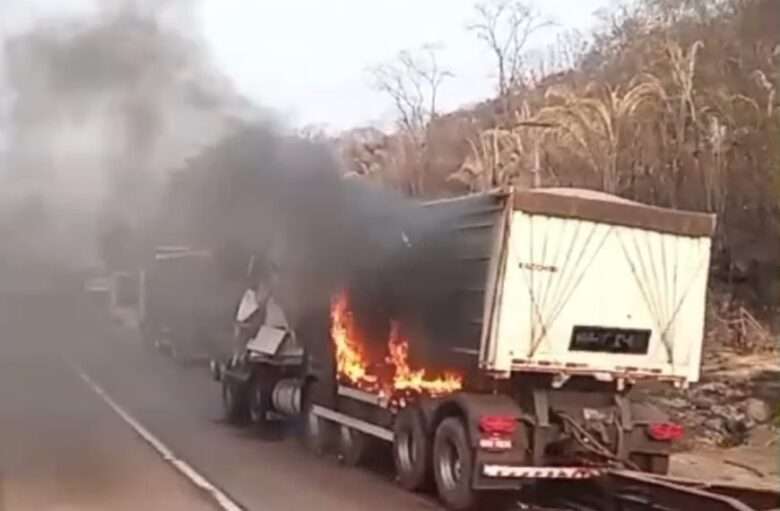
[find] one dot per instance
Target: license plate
(610, 340)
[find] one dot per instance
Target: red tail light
(497, 425)
(665, 431)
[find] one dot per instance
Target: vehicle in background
(563, 302)
(98, 288)
(185, 305)
(123, 296)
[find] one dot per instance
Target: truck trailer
(558, 305)
(186, 306)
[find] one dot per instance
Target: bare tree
(684, 114)
(570, 47)
(507, 156)
(598, 125)
(412, 80)
(506, 26)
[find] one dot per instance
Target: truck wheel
(234, 402)
(315, 428)
(412, 451)
(352, 446)
(453, 464)
(259, 400)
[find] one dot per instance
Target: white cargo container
(585, 282)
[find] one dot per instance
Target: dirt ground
(755, 464)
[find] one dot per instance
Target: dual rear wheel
(320, 434)
(234, 402)
(453, 465)
(247, 402)
(445, 461)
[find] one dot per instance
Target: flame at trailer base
(354, 369)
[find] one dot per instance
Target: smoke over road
(104, 108)
(97, 109)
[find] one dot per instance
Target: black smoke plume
(98, 108)
(104, 109)
(282, 197)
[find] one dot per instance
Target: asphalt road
(62, 446)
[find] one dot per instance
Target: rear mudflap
(485, 479)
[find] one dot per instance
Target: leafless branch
(506, 26)
(412, 81)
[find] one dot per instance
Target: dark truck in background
(186, 304)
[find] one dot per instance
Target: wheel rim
(406, 452)
(450, 466)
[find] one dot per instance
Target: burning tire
(412, 451)
(352, 445)
(453, 465)
(234, 402)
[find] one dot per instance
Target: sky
(308, 59)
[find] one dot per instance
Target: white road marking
(220, 498)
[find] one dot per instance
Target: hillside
(670, 102)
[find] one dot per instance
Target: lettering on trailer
(538, 267)
(508, 471)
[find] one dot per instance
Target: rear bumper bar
(531, 472)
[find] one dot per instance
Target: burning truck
(500, 344)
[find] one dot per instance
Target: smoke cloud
(96, 110)
(106, 127)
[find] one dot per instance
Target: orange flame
(407, 378)
(353, 367)
(350, 361)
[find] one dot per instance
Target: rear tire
(453, 466)
(234, 402)
(352, 446)
(315, 428)
(412, 452)
(259, 400)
